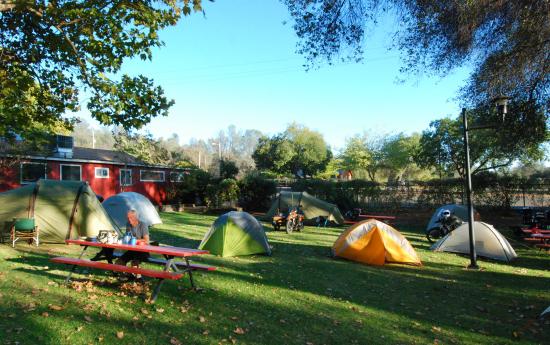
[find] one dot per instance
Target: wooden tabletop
(171, 251)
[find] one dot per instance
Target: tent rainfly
(374, 243)
(489, 242)
(234, 234)
(117, 206)
(62, 209)
(311, 206)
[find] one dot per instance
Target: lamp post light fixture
(501, 103)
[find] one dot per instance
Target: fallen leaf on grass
(234, 318)
(160, 310)
(120, 334)
(87, 318)
(436, 329)
(175, 341)
(144, 311)
(202, 319)
(239, 330)
(45, 314)
(79, 328)
(55, 307)
(205, 332)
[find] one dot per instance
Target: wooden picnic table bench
(169, 253)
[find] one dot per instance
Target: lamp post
(501, 103)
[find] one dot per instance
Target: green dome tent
(310, 205)
(62, 209)
(234, 234)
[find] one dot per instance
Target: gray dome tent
(489, 242)
(62, 209)
(117, 206)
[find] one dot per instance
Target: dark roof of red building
(89, 154)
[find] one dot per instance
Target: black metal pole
(473, 256)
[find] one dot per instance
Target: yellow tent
(375, 243)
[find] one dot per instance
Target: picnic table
(169, 253)
(360, 217)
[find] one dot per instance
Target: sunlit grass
(297, 296)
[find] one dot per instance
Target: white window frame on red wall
(69, 165)
(153, 171)
(120, 177)
(103, 169)
(21, 171)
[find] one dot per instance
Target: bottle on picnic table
(127, 237)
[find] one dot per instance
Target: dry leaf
(87, 318)
(55, 307)
(205, 332)
(234, 318)
(120, 334)
(144, 311)
(79, 328)
(175, 341)
(239, 330)
(45, 314)
(202, 319)
(160, 310)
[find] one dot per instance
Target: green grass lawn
(297, 296)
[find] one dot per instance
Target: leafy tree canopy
(508, 42)
(519, 138)
(298, 150)
(51, 51)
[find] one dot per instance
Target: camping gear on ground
(460, 212)
(446, 223)
(374, 243)
(489, 242)
(309, 205)
(61, 209)
(117, 206)
(24, 228)
(236, 233)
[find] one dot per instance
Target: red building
(108, 172)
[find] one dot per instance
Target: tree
(142, 147)
(298, 150)
(519, 138)
(50, 51)
(364, 154)
(228, 169)
(397, 155)
(508, 42)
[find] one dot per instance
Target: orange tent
(374, 243)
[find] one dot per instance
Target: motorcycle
(445, 224)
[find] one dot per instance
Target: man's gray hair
(133, 211)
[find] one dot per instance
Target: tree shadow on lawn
(212, 317)
(455, 299)
(475, 298)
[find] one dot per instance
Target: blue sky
(238, 66)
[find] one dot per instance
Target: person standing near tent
(140, 231)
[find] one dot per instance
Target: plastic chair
(24, 228)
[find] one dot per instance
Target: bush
(192, 190)
(256, 192)
(224, 192)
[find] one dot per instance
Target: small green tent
(236, 233)
(62, 209)
(311, 206)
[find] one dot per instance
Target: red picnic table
(386, 219)
(169, 253)
(535, 231)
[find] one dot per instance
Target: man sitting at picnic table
(140, 231)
